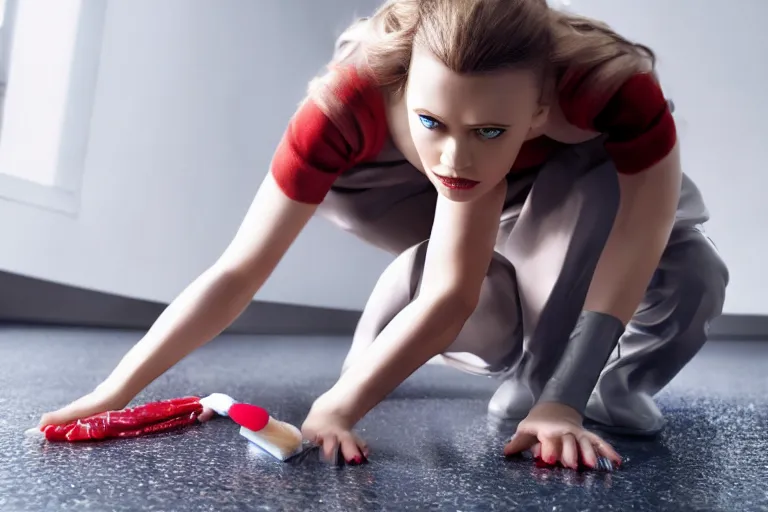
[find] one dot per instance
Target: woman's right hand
(204, 308)
(554, 433)
(103, 398)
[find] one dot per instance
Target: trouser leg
(552, 235)
(396, 215)
(391, 208)
(686, 293)
(489, 339)
(553, 232)
(390, 218)
(669, 328)
(554, 245)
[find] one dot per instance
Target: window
(6, 17)
(48, 66)
(3, 33)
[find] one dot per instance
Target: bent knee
(499, 282)
(491, 330)
(495, 317)
(703, 274)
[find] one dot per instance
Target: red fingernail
(358, 459)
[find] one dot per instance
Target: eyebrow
(426, 112)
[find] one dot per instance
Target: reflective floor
(431, 446)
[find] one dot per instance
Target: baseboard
(739, 327)
(30, 301)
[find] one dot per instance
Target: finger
(550, 450)
(570, 453)
(364, 449)
(350, 449)
(80, 408)
(588, 455)
(206, 415)
(329, 447)
(536, 451)
(605, 449)
(519, 443)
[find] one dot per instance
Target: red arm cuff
(637, 119)
(310, 156)
(314, 151)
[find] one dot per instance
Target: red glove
(146, 419)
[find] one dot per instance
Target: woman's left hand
(555, 434)
(330, 429)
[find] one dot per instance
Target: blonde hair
(483, 36)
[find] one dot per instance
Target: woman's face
(468, 130)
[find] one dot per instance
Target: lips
(457, 183)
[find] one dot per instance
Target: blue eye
(428, 122)
(490, 133)
(485, 133)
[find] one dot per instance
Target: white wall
(192, 99)
(713, 64)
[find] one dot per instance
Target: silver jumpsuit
(554, 225)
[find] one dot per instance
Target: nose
(454, 156)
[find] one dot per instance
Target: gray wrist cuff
(589, 347)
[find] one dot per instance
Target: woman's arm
(631, 254)
(638, 238)
(642, 143)
(458, 255)
(216, 298)
(312, 153)
(207, 306)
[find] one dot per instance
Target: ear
(540, 118)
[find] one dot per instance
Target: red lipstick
(457, 183)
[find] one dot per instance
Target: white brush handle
(219, 403)
(278, 438)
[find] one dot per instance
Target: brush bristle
(279, 439)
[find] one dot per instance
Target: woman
(523, 166)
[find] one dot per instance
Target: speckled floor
(432, 448)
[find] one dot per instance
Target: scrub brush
(277, 438)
